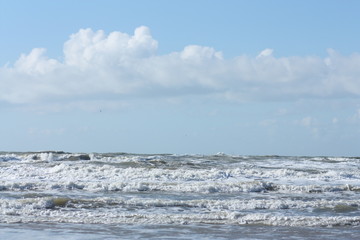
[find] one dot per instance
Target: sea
(61, 195)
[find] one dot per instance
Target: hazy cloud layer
(98, 67)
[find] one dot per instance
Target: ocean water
(58, 195)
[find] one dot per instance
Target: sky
(242, 77)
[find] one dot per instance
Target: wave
(111, 188)
(150, 211)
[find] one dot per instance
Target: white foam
(152, 211)
(218, 189)
(91, 176)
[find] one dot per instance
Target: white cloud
(198, 54)
(35, 63)
(307, 121)
(265, 53)
(99, 66)
(88, 48)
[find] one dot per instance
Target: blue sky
(240, 77)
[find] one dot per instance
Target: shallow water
(150, 231)
(130, 196)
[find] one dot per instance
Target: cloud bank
(108, 67)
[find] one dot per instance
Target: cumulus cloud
(88, 48)
(100, 66)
